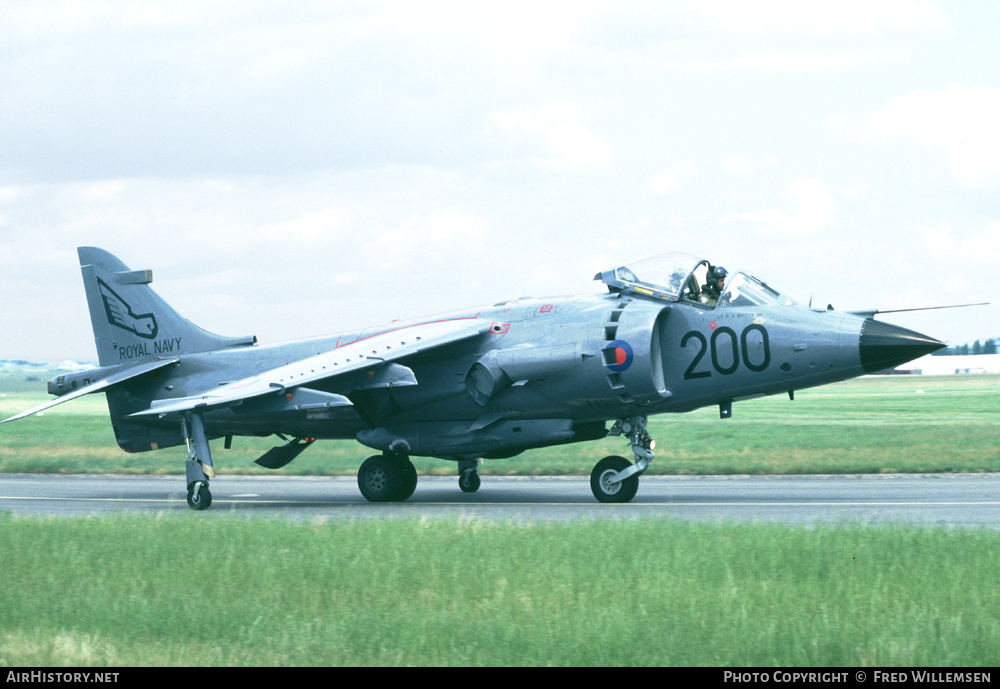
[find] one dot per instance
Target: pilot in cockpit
(712, 289)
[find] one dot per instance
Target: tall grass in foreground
(183, 590)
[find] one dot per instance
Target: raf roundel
(618, 355)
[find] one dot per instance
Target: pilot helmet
(717, 273)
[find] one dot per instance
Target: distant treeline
(977, 347)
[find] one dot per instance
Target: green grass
(185, 590)
(190, 591)
(868, 425)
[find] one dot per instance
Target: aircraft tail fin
(131, 322)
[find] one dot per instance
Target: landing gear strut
(199, 463)
(615, 479)
(389, 477)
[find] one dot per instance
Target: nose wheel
(606, 485)
(615, 479)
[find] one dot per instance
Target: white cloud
(672, 179)
(571, 146)
(808, 207)
(737, 165)
(326, 225)
(806, 61)
(963, 249)
(769, 36)
(840, 17)
(441, 235)
(957, 124)
(343, 157)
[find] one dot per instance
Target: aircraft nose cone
(886, 346)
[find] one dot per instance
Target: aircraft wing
(98, 386)
(365, 354)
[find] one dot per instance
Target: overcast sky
(299, 169)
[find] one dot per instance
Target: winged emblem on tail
(120, 314)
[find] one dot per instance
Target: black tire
(407, 477)
(623, 491)
(469, 481)
(200, 499)
(379, 479)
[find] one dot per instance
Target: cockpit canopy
(683, 277)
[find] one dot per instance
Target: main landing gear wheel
(602, 481)
(199, 497)
(407, 478)
(387, 478)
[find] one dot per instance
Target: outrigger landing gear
(199, 497)
(468, 475)
(199, 463)
(615, 479)
(389, 477)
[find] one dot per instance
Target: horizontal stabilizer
(104, 384)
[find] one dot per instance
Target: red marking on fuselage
(620, 355)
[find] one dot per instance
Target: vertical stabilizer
(131, 322)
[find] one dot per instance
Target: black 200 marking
(739, 346)
(690, 373)
(756, 368)
(730, 370)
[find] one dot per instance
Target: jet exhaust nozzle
(886, 346)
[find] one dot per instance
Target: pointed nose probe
(886, 346)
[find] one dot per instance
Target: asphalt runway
(970, 500)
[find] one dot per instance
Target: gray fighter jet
(671, 334)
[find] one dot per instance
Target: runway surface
(925, 499)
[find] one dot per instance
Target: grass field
(868, 425)
(183, 590)
(186, 591)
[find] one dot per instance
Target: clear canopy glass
(746, 290)
(662, 276)
(682, 277)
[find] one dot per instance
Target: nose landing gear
(615, 479)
